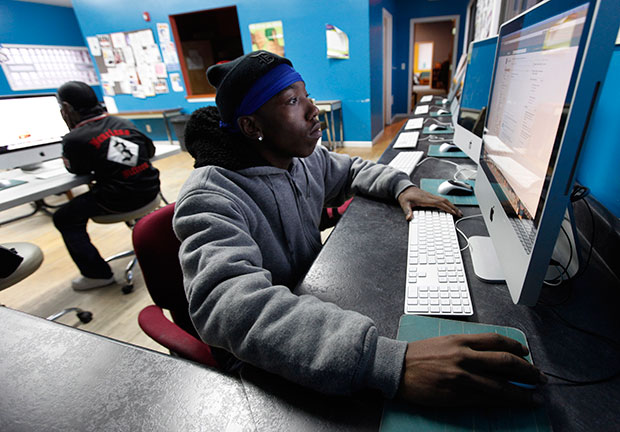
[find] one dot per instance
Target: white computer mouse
(443, 111)
(455, 187)
(437, 127)
(446, 147)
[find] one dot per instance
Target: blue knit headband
(266, 87)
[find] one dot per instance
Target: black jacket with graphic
(117, 154)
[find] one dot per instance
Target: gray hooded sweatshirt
(248, 237)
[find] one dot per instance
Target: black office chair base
(84, 316)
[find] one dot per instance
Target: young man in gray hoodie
(248, 219)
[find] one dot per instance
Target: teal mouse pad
(433, 150)
(399, 416)
(12, 183)
(449, 130)
(436, 114)
(431, 185)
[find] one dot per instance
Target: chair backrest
(157, 251)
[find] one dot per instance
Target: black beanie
(79, 95)
(234, 79)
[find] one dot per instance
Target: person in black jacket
(117, 155)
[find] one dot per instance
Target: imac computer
(549, 65)
(32, 130)
(469, 122)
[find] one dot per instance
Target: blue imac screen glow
(475, 94)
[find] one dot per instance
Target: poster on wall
(36, 67)
(131, 63)
(268, 36)
(168, 50)
(337, 42)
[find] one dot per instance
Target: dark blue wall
(600, 160)
(402, 11)
(37, 24)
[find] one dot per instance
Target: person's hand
(466, 370)
(415, 197)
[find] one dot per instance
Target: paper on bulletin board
(268, 36)
(110, 104)
(337, 42)
(163, 32)
(175, 80)
(93, 45)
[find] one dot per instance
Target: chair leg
(128, 287)
(84, 316)
(120, 255)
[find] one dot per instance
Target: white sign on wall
(35, 67)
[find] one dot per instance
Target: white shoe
(84, 283)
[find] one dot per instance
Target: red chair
(157, 248)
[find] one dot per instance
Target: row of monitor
(522, 117)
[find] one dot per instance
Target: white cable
(473, 170)
(461, 232)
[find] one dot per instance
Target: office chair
(28, 258)
(130, 219)
(157, 248)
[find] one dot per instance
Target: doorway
(432, 56)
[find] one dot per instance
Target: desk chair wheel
(127, 289)
(85, 317)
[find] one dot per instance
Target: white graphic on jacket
(122, 151)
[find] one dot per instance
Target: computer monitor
(548, 69)
(32, 130)
(474, 98)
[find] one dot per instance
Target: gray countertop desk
(37, 188)
(55, 377)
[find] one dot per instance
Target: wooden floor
(48, 290)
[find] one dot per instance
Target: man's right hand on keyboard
(416, 197)
(468, 370)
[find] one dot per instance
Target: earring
(260, 137)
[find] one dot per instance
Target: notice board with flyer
(130, 63)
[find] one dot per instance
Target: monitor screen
(475, 96)
(32, 130)
(544, 82)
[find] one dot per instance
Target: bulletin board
(130, 63)
(36, 67)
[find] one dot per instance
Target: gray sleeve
(234, 305)
(345, 176)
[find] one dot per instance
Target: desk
(164, 114)
(328, 107)
(36, 189)
(55, 377)
(362, 267)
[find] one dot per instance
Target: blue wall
(304, 38)
(37, 24)
(402, 12)
(600, 159)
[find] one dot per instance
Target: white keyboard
(422, 109)
(406, 161)
(427, 98)
(407, 140)
(436, 283)
(415, 123)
